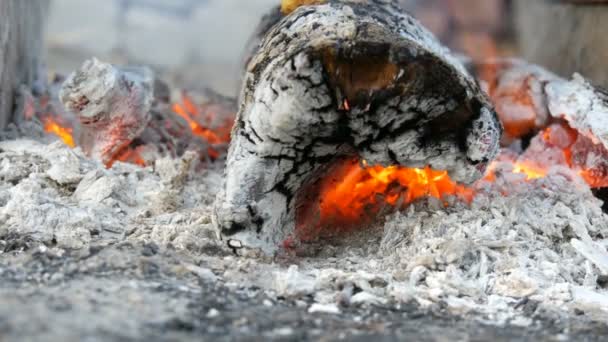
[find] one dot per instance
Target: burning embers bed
(353, 194)
(319, 145)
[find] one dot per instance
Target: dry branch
(343, 79)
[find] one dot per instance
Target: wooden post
(21, 43)
(565, 36)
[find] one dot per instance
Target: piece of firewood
(343, 79)
(126, 114)
(21, 46)
(112, 104)
(571, 116)
(517, 90)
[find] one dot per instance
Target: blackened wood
(346, 78)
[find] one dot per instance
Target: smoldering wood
(346, 78)
(126, 113)
(112, 104)
(529, 99)
(517, 90)
(21, 42)
(571, 35)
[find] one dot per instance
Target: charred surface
(339, 79)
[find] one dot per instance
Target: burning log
(562, 122)
(517, 90)
(343, 80)
(112, 104)
(21, 24)
(125, 114)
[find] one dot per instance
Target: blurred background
(199, 43)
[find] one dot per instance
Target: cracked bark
(343, 79)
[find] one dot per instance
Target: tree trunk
(21, 43)
(565, 36)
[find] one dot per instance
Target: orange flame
(531, 171)
(355, 192)
(63, 133)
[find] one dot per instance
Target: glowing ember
(190, 112)
(63, 133)
(354, 193)
(557, 144)
(129, 155)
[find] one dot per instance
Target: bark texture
(342, 79)
(21, 42)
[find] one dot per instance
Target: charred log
(346, 79)
(126, 114)
(112, 104)
(555, 120)
(528, 98)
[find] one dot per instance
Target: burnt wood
(342, 79)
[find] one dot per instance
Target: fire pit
(365, 176)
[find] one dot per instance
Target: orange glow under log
(354, 191)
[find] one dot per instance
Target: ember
(190, 112)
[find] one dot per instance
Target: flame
(190, 112)
(530, 170)
(64, 133)
(558, 144)
(355, 192)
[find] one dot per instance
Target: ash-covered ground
(130, 253)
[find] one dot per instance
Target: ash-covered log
(112, 104)
(125, 114)
(548, 119)
(338, 80)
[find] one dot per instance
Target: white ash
(58, 196)
(541, 242)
